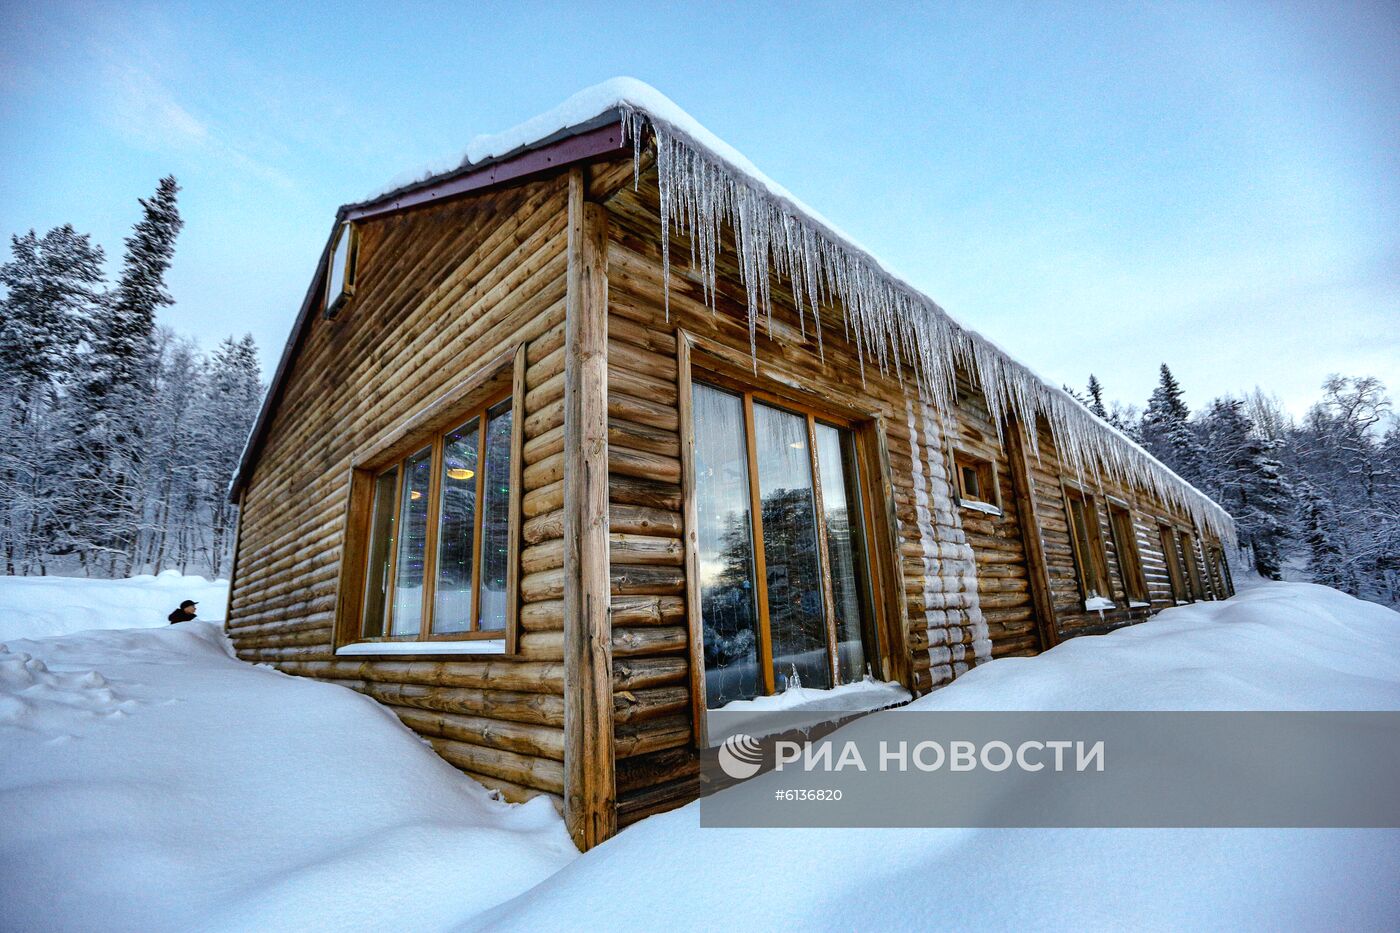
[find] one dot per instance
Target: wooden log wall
(1049, 474)
(1003, 581)
(441, 290)
(654, 730)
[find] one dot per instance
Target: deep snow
(1275, 646)
(150, 781)
(39, 607)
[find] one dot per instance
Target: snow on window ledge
(1135, 604)
(813, 706)
(475, 646)
(977, 506)
(1099, 604)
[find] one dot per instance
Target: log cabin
(602, 429)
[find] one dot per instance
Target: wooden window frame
(1171, 556)
(987, 476)
(1128, 554)
(708, 361)
(1193, 566)
(332, 304)
(1096, 560)
(501, 378)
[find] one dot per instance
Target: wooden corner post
(590, 797)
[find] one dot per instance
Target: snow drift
(149, 781)
(1274, 647)
(39, 607)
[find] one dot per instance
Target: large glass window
(439, 535)
(783, 574)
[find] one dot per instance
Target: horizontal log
(624, 518)
(526, 770)
(623, 461)
(517, 706)
(525, 738)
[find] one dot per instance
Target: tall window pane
(795, 618)
(381, 540)
(413, 537)
(495, 518)
(844, 544)
(452, 610)
(727, 605)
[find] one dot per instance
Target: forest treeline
(117, 437)
(1314, 499)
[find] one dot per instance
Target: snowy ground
(149, 781)
(38, 607)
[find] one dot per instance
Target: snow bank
(38, 607)
(149, 781)
(1276, 646)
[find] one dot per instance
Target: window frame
(1171, 556)
(332, 304)
(1130, 571)
(987, 474)
(1096, 560)
(499, 380)
(812, 417)
(1193, 567)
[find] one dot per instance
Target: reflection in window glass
(452, 598)
(796, 624)
(844, 542)
(413, 537)
(727, 607)
(495, 518)
(381, 540)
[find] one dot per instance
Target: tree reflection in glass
(725, 548)
(795, 618)
(844, 542)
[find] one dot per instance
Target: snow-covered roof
(707, 184)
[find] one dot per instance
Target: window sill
(977, 506)
(1134, 604)
(1099, 604)
(475, 646)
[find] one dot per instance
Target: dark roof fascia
(600, 136)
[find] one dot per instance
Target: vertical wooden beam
(1028, 517)
(590, 797)
(517, 486)
(699, 707)
(233, 561)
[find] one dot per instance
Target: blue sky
(1097, 188)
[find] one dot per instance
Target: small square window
(977, 481)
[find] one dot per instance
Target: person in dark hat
(185, 613)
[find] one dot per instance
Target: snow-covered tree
(1096, 397)
(111, 405)
(51, 290)
(1244, 476)
(1167, 433)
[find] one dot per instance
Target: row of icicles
(892, 325)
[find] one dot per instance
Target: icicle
(890, 324)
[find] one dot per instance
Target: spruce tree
(1244, 476)
(1096, 397)
(1325, 557)
(113, 401)
(51, 288)
(1167, 432)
